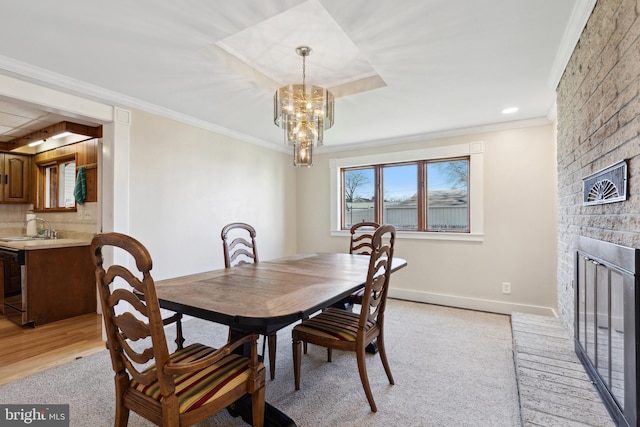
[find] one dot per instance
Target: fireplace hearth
(606, 323)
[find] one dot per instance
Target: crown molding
(579, 16)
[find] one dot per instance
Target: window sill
(424, 235)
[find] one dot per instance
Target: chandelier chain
(304, 71)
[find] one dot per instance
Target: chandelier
(304, 112)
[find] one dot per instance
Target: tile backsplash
(70, 225)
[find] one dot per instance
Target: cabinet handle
(6, 179)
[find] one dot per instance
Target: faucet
(48, 234)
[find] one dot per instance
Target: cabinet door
(1, 285)
(15, 178)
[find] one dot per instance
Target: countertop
(44, 244)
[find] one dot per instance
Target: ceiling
(400, 70)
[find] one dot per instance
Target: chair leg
(329, 354)
(272, 355)
(177, 319)
(257, 407)
(305, 344)
(383, 357)
(122, 412)
(179, 336)
(362, 369)
(297, 356)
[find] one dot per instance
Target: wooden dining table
(268, 296)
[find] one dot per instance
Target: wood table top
(269, 295)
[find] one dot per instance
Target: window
(433, 193)
(426, 195)
(399, 185)
(56, 181)
(447, 197)
(359, 197)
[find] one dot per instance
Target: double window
(426, 191)
(427, 195)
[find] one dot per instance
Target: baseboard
(470, 303)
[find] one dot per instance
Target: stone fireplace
(598, 117)
(606, 318)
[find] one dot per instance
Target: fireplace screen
(605, 331)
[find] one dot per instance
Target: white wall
(186, 183)
(519, 245)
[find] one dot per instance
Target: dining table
(267, 296)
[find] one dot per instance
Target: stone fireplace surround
(598, 125)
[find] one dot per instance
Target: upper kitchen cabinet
(14, 173)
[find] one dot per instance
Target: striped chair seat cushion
(333, 324)
(197, 389)
(357, 294)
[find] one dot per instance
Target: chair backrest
(135, 333)
(361, 236)
(239, 244)
(374, 297)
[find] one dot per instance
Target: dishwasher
(14, 292)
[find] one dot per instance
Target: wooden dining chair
(361, 243)
(344, 330)
(239, 248)
(168, 389)
(239, 244)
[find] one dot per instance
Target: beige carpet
(452, 368)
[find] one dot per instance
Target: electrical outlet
(506, 287)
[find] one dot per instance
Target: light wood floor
(26, 350)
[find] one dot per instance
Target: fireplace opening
(606, 316)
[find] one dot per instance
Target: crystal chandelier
(304, 112)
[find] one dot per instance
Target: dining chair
(168, 389)
(344, 330)
(360, 243)
(239, 248)
(239, 244)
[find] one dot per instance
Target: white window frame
(475, 151)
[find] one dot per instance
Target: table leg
(372, 348)
(273, 417)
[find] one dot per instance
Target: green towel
(80, 190)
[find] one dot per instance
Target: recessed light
(510, 110)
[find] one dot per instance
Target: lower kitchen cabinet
(56, 284)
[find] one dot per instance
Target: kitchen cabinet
(1, 286)
(55, 283)
(14, 177)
